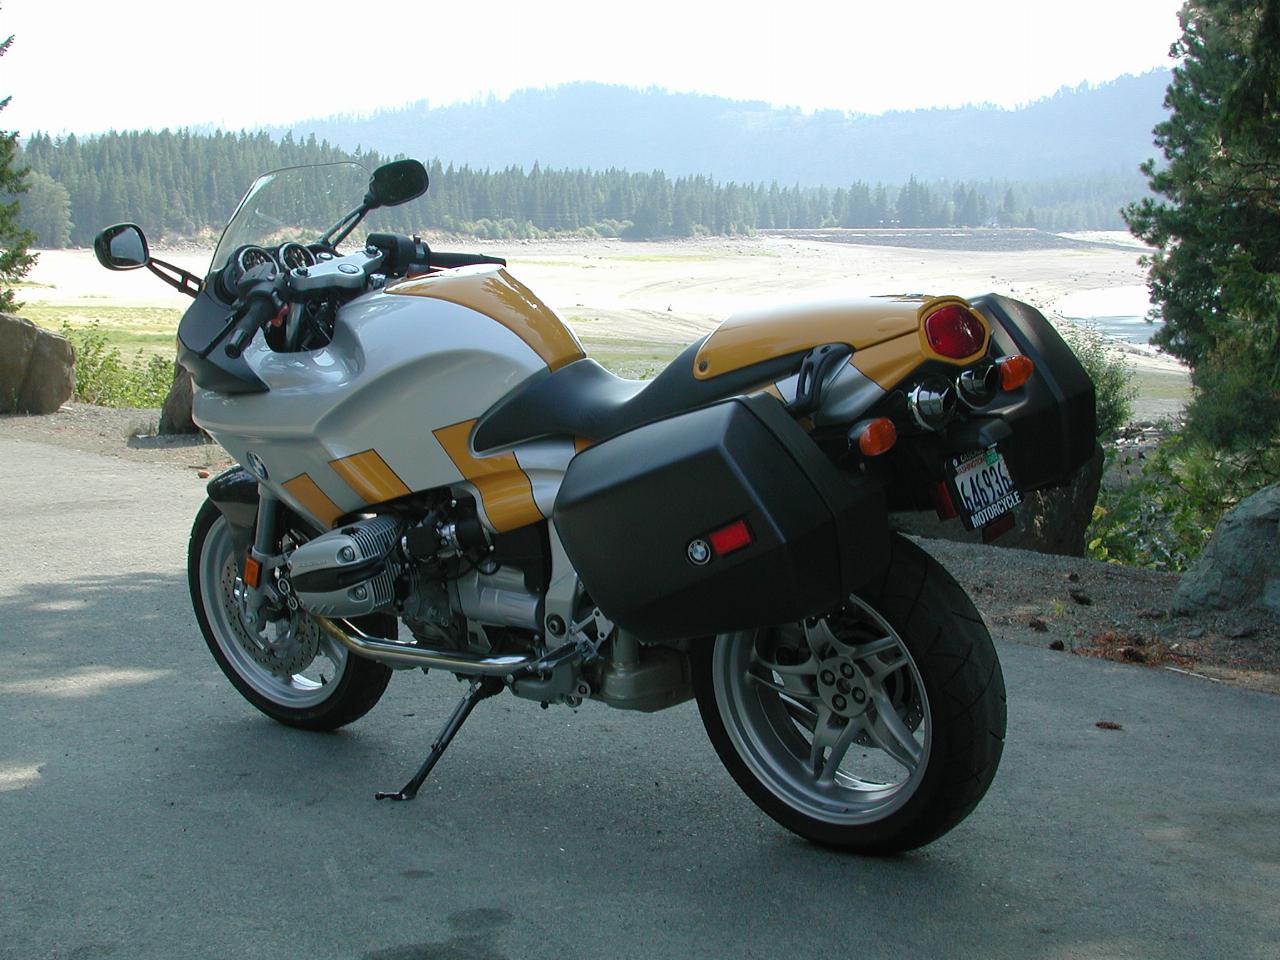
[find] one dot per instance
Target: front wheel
(289, 669)
(875, 729)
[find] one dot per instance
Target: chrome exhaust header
(932, 403)
(454, 661)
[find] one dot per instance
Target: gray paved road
(147, 812)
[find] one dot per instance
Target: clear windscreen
(295, 203)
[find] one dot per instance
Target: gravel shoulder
(1080, 607)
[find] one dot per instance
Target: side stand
(480, 689)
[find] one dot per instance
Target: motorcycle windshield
(294, 203)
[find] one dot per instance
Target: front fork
(264, 557)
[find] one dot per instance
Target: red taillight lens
(954, 332)
(728, 539)
(1015, 371)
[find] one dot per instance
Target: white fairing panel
(398, 369)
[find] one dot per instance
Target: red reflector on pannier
(733, 537)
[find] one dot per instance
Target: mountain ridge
(1105, 128)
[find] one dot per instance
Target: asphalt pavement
(147, 811)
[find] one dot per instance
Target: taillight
(1015, 371)
(954, 332)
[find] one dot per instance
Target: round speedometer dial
(294, 255)
(250, 257)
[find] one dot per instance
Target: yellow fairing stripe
(889, 362)
(505, 491)
(314, 500)
(499, 296)
(368, 475)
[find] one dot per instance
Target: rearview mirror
(397, 182)
(122, 247)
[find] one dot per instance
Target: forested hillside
(184, 185)
(1080, 131)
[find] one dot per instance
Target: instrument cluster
(287, 256)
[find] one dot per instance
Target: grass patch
(151, 330)
(633, 359)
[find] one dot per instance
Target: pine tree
(15, 261)
(1216, 271)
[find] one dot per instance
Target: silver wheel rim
(309, 683)
(830, 715)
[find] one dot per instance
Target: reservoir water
(1118, 312)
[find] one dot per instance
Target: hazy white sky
(91, 65)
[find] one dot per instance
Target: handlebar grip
(257, 314)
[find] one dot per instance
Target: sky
(85, 67)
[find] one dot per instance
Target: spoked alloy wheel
(290, 670)
(877, 728)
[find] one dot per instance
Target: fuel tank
(386, 408)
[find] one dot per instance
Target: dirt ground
(1080, 606)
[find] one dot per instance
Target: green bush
(105, 378)
(1112, 377)
(1163, 517)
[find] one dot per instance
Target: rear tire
(309, 680)
(876, 729)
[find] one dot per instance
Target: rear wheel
(875, 729)
(290, 669)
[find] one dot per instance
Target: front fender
(235, 493)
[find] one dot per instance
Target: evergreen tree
(15, 261)
(1215, 274)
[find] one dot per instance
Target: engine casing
(347, 572)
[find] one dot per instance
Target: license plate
(982, 486)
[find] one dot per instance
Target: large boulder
(37, 368)
(1240, 566)
(1048, 521)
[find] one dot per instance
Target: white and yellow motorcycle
(433, 474)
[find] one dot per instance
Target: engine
(441, 574)
(348, 572)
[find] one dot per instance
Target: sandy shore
(671, 292)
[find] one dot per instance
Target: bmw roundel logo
(257, 466)
(699, 552)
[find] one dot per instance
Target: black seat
(585, 400)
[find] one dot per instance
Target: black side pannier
(1055, 424)
(724, 518)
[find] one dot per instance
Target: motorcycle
(432, 474)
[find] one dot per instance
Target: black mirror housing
(395, 183)
(122, 246)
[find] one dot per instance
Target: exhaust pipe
(388, 651)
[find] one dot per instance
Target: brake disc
(284, 646)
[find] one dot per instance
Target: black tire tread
(954, 653)
(356, 691)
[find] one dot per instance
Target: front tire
(876, 729)
(291, 671)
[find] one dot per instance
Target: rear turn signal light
(728, 539)
(1015, 371)
(953, 331)
(874, 437)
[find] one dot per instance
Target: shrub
(1112, 378)
(105, 378)
(1165, 515)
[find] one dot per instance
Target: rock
(1057, 645)
(1195, 633)
(1038, 625)
(1080, 597)
(175, 415)
(1241, 631)
(1048, 521)
(37, 368)
(1240, 566)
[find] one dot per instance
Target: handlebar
(257, 314)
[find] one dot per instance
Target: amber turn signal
(874, 436)
(1015, 371)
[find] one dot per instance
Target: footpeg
(480, 689)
